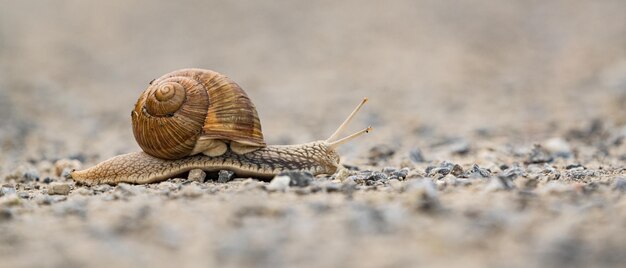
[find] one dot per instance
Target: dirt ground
(499, 141)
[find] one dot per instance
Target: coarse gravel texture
(499, 133)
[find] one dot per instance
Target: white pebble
(279, 183)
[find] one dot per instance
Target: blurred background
(475, 83)
(71, 71)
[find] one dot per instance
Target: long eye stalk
(332, 140)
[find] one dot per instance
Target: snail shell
(193, 111)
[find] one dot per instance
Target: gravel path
(499, 133)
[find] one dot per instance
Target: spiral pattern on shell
(183, 109)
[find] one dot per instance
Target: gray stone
(477, 172)
(444, 168)
(512, 172)
(416, 156)
(59, 189)
(539, 155)
(7, 189)
(225, 176)
(197, 175)
(580, 173)
(377, 176)
(401, 174)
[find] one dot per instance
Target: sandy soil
(499, 133)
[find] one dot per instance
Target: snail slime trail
(203, 120)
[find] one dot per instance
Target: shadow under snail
(200, 119)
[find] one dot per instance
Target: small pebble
(7, 189)
(580, 173)
(477, 172)
(577, 165)
(444, 168)
(225, 176)
(278, 183)
(558, 147)
(197, 175)
(539, 155)
(376, 176)
(416, 156)
(512, 172)
(59, 189)
(298, 178)
(401, 174)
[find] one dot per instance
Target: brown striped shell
(192, 111)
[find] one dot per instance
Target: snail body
(200, 119)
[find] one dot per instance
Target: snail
(201, 119)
